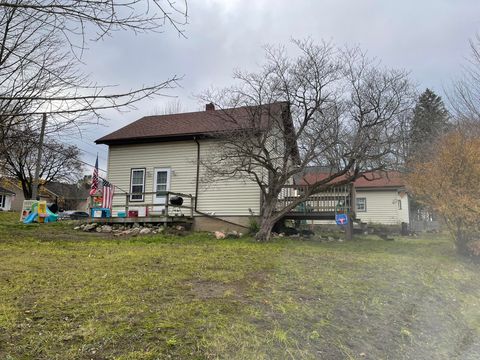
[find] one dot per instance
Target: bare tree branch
(40, 64)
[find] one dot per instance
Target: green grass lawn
(72, 295)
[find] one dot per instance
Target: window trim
(365, 203)
(399, 204)
(144, 170)
(3, 201)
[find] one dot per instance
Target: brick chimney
(209, 107)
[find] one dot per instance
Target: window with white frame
(361, 204)
(162, 182)
(399, 202)
(3, 200)
(137, 184)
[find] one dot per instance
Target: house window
(162, 181)
(2, 201)
(137, 184)
(399, 202)
(361, 204)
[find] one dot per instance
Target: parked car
(78, 215)
(64, 215)
(72, 215)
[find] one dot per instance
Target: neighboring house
(6, 199)
(164, 153)
(12, 186)
(67, 196)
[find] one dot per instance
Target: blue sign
(341, 219)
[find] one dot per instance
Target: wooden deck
(145, 220)
(310, 215)
(321, 206)
(154, 213)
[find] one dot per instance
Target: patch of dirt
(238, 290)
(205, 290)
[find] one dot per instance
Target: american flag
(108, 191)
(94, 187)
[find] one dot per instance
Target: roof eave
(150, 139)
(6, 192)
(164, 138)
(386, 187)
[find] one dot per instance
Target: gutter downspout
(198, 173)
(196, 192)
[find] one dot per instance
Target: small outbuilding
(6, 199)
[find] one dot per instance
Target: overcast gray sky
(427, 37)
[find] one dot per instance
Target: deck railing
(336, 199)
(148, 204)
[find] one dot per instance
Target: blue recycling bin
(106, 213)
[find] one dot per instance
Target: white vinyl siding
(223, 197)
(382, 207)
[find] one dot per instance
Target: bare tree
(41, 46)
(464, 96)
(59, 162)
(72, 17)
(326, 106)
(171, 107)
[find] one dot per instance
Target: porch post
(90, 206)
(167, 199)
(191, 206)
(349, 228)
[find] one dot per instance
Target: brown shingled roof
(175, 126)
(378, 180)
(391, 179)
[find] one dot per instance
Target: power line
(89, 143)
(80, 161)
(63, 153)
(91, 153)
(88, 164)
(83, 150)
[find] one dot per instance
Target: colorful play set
(36, 211)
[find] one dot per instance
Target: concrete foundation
(221, 223)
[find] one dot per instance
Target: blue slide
(30, 218)
(52, 217)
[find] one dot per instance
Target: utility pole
(39, 158)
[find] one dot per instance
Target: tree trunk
(267, 221)
(265, 231)
(349, 229)
(27, 189)
(461, 242)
